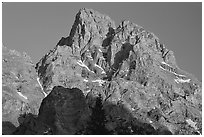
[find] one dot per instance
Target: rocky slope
(120, 80)
(21, 93)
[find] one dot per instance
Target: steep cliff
(122, 78)
(130, 68)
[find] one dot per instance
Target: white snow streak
(38, 79)
(99, 81)
(171, 71)
(39, 83)
(86, 80)
(165, 63)
(88, 91)
(79, 62)
(182, 80)
(20, 94)
(103, 72)
(192, 124)
(99, 50)
(162, 68)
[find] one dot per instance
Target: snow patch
(162, 68)
(182, 80)
(103, 72)
(192, 124)
(20, 94)
(86, 80)
(80, 63)
(165, 63)
(99, 81)
(38, 79)
(171, 71)
(88, 91)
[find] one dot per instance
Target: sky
(36, 28)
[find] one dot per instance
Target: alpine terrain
(102, 79)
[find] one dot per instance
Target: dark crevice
(83, 30)
(122, 55)
(65, 41)
(109, 37)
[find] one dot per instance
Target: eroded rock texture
(63, 111)
(122, 78)
(21, 93)
(130, 68)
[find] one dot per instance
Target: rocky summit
(101, 79)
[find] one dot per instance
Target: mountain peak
(124, 69)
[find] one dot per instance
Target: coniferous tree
(96, 125)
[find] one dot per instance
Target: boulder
(63, 110)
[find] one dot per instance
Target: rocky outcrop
(62, 65)
(21, 93)
(129, 68)
(63, 111)
(104, 79)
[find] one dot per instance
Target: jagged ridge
(137, 77)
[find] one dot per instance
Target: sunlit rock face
(21, 93)
(130, 68)
(63, 65)
(119, 79)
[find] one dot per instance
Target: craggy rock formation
(130, 68)
(122, 79)
(63, 111)
(63, 65)
(21, 93)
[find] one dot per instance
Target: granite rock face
(61, 65)
(130, 68)
(21, 93)
(120, 79)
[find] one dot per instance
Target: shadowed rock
(63, 109)
(132, 61)
(133, 74)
